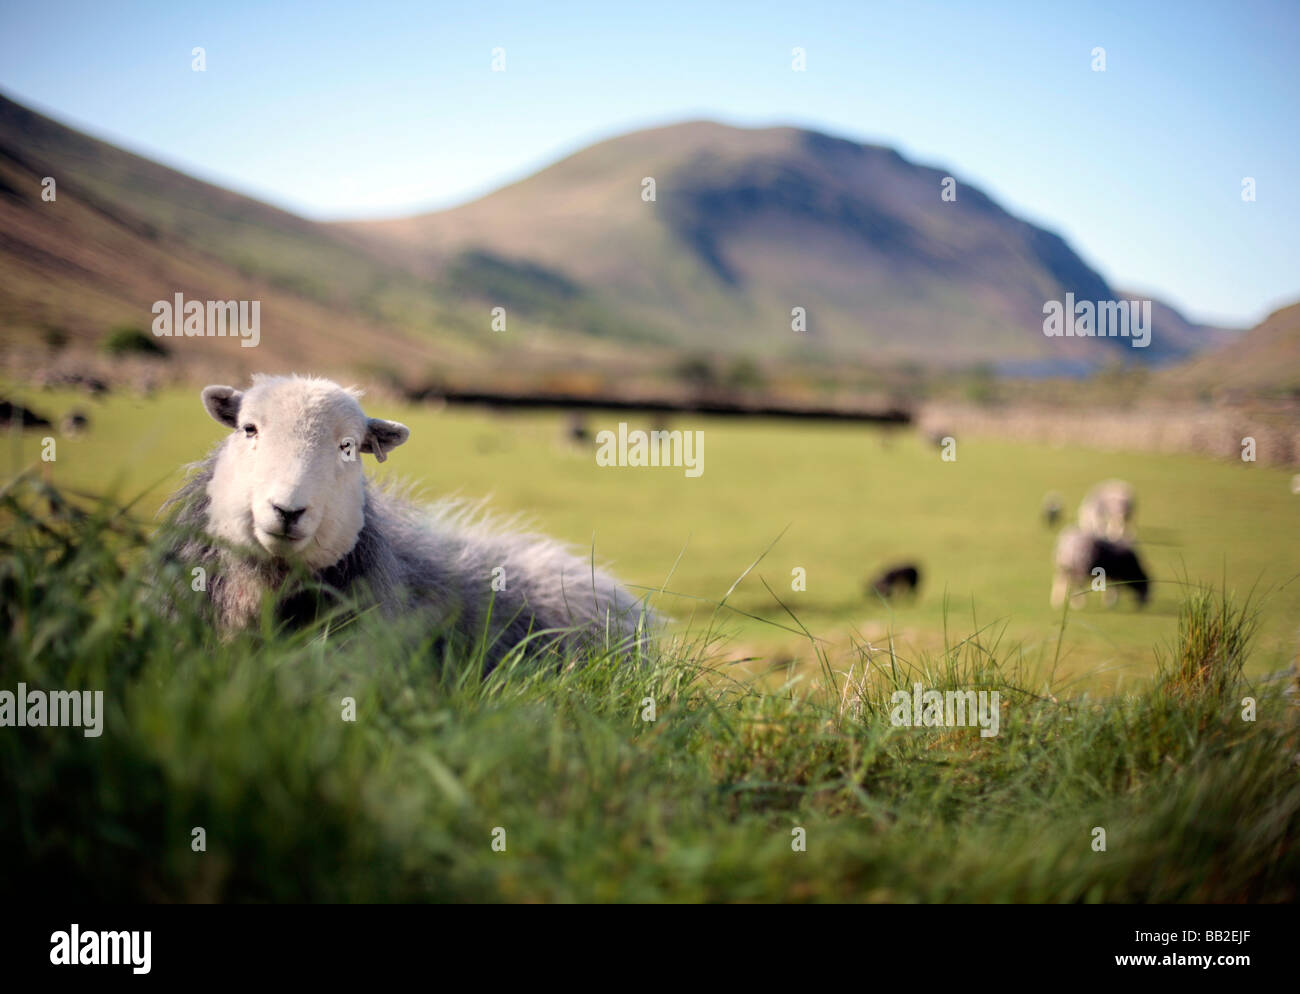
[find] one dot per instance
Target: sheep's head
(289, 477)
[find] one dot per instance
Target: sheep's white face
(289, 477)
(1108, 510)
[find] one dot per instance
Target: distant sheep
(1078, 553)
(12, 414)
(52, 380)
(1108, 510)
(1053, 508)
(901, 579)
(75, 423)
(937, 436)
(575, 428)
(286, 489)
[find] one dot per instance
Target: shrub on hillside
(126, 340)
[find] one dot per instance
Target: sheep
(575, 428)
(57, 379)
(74, 423)
(937, 436)
(15, 415)
(1108, 511)
(1079, 552)
(285, 494)
(1053, 507)
(904, 578)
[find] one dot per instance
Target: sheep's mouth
(280, 543)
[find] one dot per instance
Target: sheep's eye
(346, 447)
(250, 430)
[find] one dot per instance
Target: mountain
(748, 224)
(745, 227)
(1177, 336)
(123, 231)
(1261, 362)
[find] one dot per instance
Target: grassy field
(837, 501)
(350, 763)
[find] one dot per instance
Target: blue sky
(344, 110)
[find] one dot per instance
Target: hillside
(1264, 361)
(748, 224)
(124, 231)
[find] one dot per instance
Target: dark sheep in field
(575, 428)
(74, 423)
(1053, 508)
(12, 414)
(901, 579)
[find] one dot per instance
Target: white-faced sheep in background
(1108, 510)
(286, 489)
(1078, 553)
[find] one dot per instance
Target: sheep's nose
(288, 516)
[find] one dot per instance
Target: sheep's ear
(223, 404)
(383, 435)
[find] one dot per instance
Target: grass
(1214, 637)
(844, 502)
(246, 739)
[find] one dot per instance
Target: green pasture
(837, 501)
